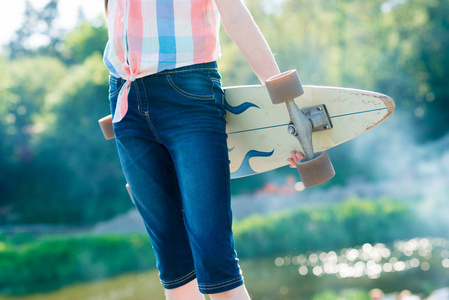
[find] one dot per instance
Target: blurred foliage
(52, 178)
(85, 40)
(323, 228)
(57, 168)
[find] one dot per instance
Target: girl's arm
(240, 26)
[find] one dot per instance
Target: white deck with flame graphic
(258, 140)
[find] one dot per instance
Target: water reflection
(371, 260)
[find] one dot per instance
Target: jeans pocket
(193, 85)
(215, 77)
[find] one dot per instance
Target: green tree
(86, 39)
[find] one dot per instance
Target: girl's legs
(188, 291)
(172, 146)
(239, 293)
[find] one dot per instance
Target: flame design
(237, 110)
(245, 168)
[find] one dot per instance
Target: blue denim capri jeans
(173, 151)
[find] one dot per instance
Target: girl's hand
(295, 156)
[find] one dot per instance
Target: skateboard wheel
(284, 87)
(316, 170)
(106, 127)
(129, 192)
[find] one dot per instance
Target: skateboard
(262, 132)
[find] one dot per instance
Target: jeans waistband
(201, 66)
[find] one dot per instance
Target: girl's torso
(149, 36)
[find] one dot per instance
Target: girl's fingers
(295, 157)
(299, 155)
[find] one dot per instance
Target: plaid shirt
(149, 36)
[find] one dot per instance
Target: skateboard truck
(314, 168)
(317, 115)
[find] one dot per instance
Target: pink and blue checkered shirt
(149, 36)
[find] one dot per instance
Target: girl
(167, 106)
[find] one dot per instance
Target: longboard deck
(258, 140)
